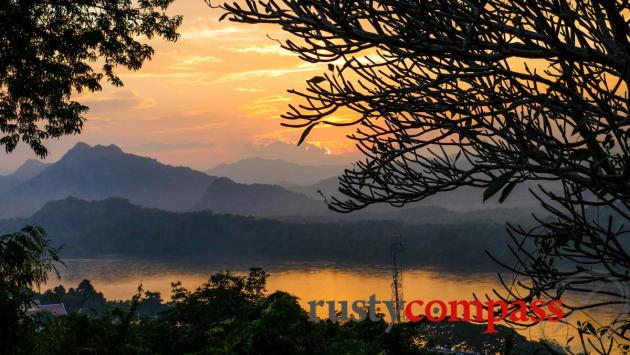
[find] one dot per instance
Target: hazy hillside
(95, 173)
(276, 172)
(28, 170)
(101, 172)
(226, 196)
(270, 201)
(463, 199)
(116, 227)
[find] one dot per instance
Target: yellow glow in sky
(213, 96)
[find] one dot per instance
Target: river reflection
(118, 279)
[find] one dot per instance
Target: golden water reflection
(118, 280)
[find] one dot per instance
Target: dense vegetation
(25, 261)
(116, 227)
(229, 314)
(232, 314)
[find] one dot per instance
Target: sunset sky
(214, 96)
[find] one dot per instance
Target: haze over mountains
(226, 196)
(275, 172)
(463, 199)
(106, 171)
(100, 200)
(117, 227)
(101, 172)
(28, 170)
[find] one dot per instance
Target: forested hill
(106, 171)
(117, 227)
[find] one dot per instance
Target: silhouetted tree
(25, 261)
(230, 314)
(489, 94)
(49, 51)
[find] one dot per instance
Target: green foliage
(86, 300)
(229, 314)
(116, 227)
(26, 259)
(232, 314)
(47, 53)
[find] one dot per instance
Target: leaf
(590, 328)
(540, 97)
(536, 154)
(579, 125)
(609, 141)
(331, 67)
(496, 185)
(580, 154)
(506, 191)
(568, 15)
(306, 133)
(317, 79)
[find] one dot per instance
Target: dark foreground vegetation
(232, 314)
(229, 314)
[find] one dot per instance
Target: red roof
(57, 309)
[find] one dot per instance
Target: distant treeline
(116, 227)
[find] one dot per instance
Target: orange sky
(214, 96)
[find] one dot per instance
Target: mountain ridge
(116, 227)
(27, 170)
(274, 172)
(106, 171)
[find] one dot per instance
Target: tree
(489, 94)
(49, 51)
(26, 259)
(225, 296)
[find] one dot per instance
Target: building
(55, 309)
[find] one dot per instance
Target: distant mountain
(328, 186)
(28, 170)
(464, 199)
(106, 171)
(271, 201)
(226, 196)
(116, 227)
(95, 173)
(277, 172)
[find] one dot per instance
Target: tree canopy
(26, 258)
(489, 94)
(50, 51)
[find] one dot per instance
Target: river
(118, 279)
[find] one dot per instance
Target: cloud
(307, 153)
(251, 90)
(185, 63)
(273, 49)
(145, 74)
(162, 147)
(116, 100)
(197, 128)
(268, 105)
(264, 73)
(145, 103)
(205, 33)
